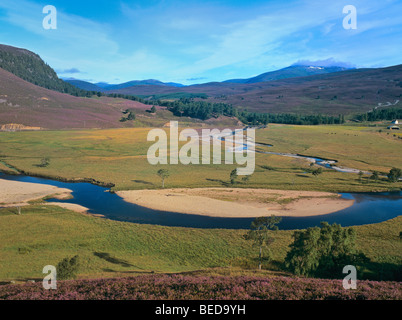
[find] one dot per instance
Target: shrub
(394, 174)
(67, 268)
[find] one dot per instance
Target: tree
(375, 175)
(131, 116)
(153, 109)
(67, 268)
(233, 176)
(360, 174)
(317, 171)
(323, 251)
(394, 174)
(260, 235)
(245, 179)
(163, 174)
(44, 162)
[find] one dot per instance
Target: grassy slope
(44, 235)
(119, 156)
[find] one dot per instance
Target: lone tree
(44, 162)
(394, 174)
(153, 109)
(259, 233)
(233, 176)
(163, 174)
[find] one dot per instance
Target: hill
(30, 67)
(84, 85)
(344, 92)
(24, 103)
(289, 72)
(152, 82)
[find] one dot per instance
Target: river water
(368, 208)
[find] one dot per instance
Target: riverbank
(238, 203)
(18, 194)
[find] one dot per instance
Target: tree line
(204, 110)
(380, 114)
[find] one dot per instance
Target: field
(118, 156)
(44, 235)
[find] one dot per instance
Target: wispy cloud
(70, 71)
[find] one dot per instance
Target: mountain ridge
(284, 73)
(289, 72)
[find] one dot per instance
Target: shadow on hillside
(142, 271)
(106, 256)
(144, 182)
(382, 271)
(223, 183)
(303, 175)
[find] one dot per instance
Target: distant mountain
(30, 67)
(104, 86)
(285, 73)
(151, 82)
(84, 85)
(289, 72)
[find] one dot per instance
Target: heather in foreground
(179, 287)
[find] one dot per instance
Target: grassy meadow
(118, 156)
(44, 235)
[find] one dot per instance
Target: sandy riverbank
(16, 193)
(236, 203)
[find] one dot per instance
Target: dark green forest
(381, 114)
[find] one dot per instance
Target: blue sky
(199, 41)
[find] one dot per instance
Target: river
(368, 208)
